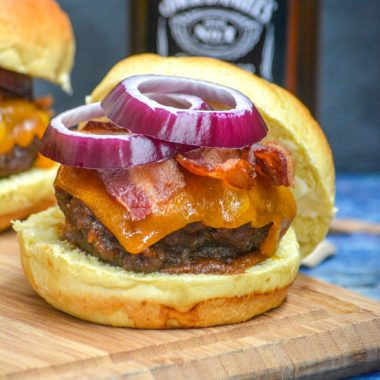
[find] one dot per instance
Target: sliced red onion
(181, 101)
(100, 151)
(129, 107)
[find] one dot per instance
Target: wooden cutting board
(321, 331)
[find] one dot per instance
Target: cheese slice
(20, 122)
(203, 199)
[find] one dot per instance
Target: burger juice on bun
(176, 197)
(36, 40)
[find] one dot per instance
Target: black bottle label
(240, 31)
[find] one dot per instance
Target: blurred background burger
(36, 40)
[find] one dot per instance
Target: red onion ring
(129, 107)
(105, 151)
(181, 101)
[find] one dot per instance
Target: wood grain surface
(321, 331)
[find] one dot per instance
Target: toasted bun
(288, 121)
(25, 193)
(36, 39)
(87, 288)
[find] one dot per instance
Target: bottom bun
(87, 288)
(26, 193)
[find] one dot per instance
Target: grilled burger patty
(195, 248)
(18, 159)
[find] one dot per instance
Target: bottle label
(232, 30)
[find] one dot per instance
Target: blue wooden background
(356, 265)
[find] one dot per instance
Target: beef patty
(19, 159)
(195, 248)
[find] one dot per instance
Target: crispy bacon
(238, 168)
(274, 161)
(224, 164)
(102, 127)
(143, 188)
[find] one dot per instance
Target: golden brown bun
(36, 39)
(25, 193)
(82, 286)
(288, 121)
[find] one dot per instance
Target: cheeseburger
(189, 191)
(36, 40)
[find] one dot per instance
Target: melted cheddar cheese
(20, 122)
(43, 162)
(203, 199)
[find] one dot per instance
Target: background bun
(25, 193)
(36, 39)
(288, 121)
(87, 288)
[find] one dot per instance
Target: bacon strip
(238, 168)
(102, 128)
(142, 189)
(273, 161)
(224, 164)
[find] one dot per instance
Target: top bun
(36, 39)
(288, 120)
